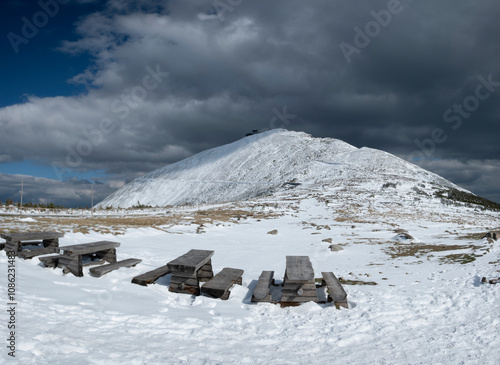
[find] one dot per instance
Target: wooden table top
(299, 269)
(29, 236)
(192, 260)
(86, 248)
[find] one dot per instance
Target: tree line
(10, 202)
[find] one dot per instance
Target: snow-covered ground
(428, 307)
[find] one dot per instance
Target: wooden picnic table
(189, 269)
(70, 257)
(16, 241)
(298, 284)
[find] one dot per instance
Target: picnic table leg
(185, 285)
(72, 264)
(51, 243)
(12, 247)
(108, 255)
(205, 273)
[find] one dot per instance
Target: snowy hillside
(265, 163)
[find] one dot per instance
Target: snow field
(421, 312)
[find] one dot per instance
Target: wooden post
(22, 188)
(92, 202)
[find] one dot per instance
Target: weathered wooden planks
(107, 255)
(191, 261)
(335, 289)
(299, 269)
(293, 300)
(184, 285)
(16, 241)
(31, 236)
(12, 247)
(50, 261)
(71, 256)
(298, 283)
(93, 262)
(261, 292)
(490, 281)
(151, 276)
(219, 285)
(205, 273)
(87, 248)
(28, 254)
(189, 269)
(104, 269)
(71, 264)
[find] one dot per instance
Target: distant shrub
(389, 185)
(140, 206)
(456, 195)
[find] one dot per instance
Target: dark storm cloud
(229, 73)
(73, 193)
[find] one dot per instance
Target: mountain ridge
(266, 162)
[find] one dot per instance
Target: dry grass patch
(419, 250)
(460, 258)
(356, 282)
(472, 236)
(118, 224)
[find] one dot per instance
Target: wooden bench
(261, 292)
(219, 285)
(48, 241)
(104, 269)
(70, 258)
(491, 281)
(50, 261)
(298, 284)
(336, 292)
(189, 269)
(151, 276)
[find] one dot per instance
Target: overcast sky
(101, 92)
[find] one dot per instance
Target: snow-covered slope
(266, 162)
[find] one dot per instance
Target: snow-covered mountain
(271, 161)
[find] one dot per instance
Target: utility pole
(22, 188)
(92, 202)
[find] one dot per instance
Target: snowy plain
(428, 307)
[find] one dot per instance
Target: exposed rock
(335, 248)
(328, 240)
(491, 236)
(403, 234)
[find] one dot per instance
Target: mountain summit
(271, 161)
